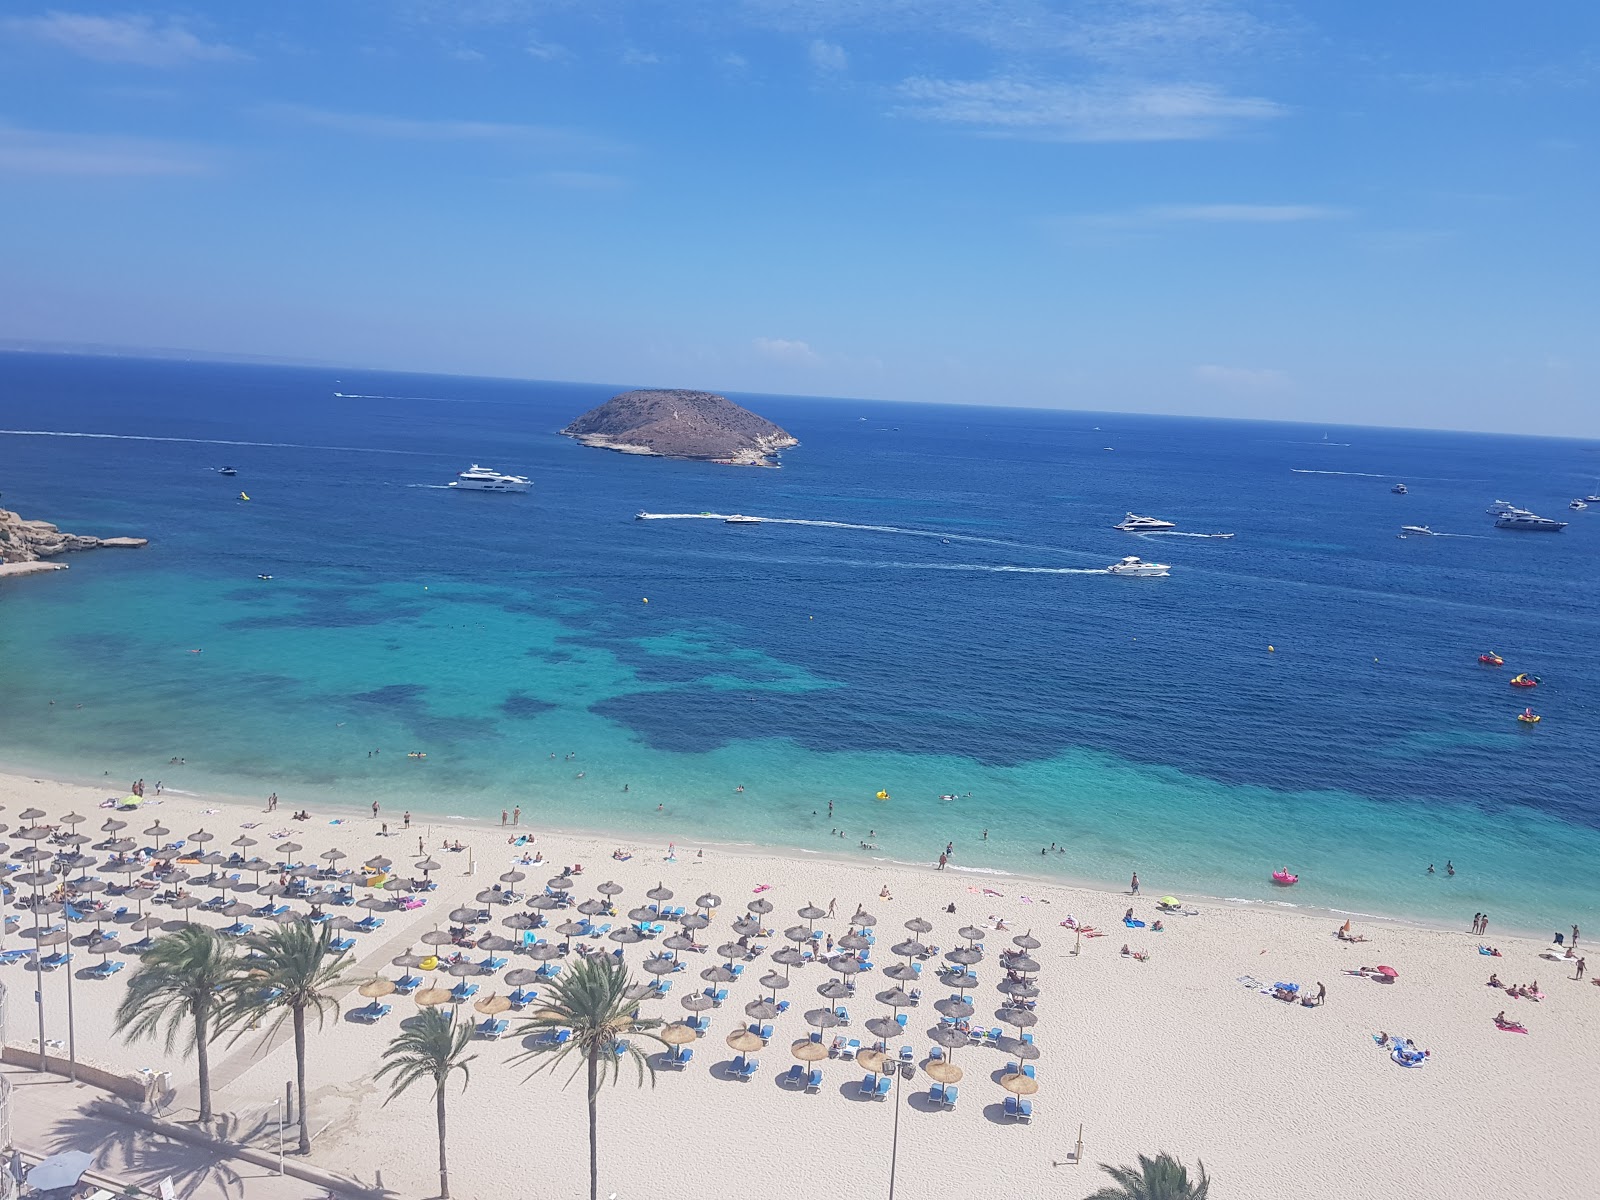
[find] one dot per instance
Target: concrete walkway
(50, 1114)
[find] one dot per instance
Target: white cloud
(1115, 32)
(632, 57)
(1214, 214)
(1250, 380)
(734, 62)
(827, 57)
(1109, 111)
(433, 130)
(34, 152)
(787, 350)
(547, 51)
(132, 39)
(582, 181)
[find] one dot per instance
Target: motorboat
(1399, 489)
(1524, 681)
(1579, 505)
(1527, 522)
(1137, 566)
(263, 576)
(1491, 659)
(1528, 717)
(1283, 878)
(1500, 507)
(482, 479)
(741, 519)
(227, 471)
(1137, 524)
(1416, 529)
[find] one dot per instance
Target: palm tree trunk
(444, 1171)
(594, 1154)
(300, 1077)
(203, 1059)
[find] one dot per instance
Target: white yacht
(1136, 524)
(482, 479)
(1527, 522)
(1579, 504)
(1500, 507)
(741, 519)
(1416, 529)
(1136, 566)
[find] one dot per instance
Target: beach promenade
(1177, 1049)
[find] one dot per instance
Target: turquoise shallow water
(938, 634)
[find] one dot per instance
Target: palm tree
(591, 1003)
(290, 972)
(183, 978)
(1160, 1178)
(431, 1048)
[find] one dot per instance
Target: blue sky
(1358, 211)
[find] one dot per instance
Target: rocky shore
(675, 423)
(25, 544)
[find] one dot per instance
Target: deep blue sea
(930, 617)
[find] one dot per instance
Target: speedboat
(1528, 522)
(1500, 507)
(1416, 529)
(1137, 566)
(1579, 505)
(741, 519)
(263, 576)
(1528, 717)
(1399, 489)
(482, 479)
(1524, 681)
(1137, 524)
(226, 471)
(1491, 659)
(1282, 878)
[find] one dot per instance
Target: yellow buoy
(1272, 649)
(647, 599)
(883, 795)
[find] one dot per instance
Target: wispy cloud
(434, 130)
(787, 350)
(1247, 380)
(634, 57)
(1108, 111)
(1112, 32)
(581, 181)
(140, 40)
(828, 57)
(547, 51)
(1213, 214)
(39, 152)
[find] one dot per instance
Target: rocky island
(25, 544)
(675, 423)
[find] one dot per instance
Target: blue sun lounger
(463, 991)
(745, 1068)
(814, 1080)
(679, 1056)
(492, 1027)
(521, 996)
(51, 961)
(407, 984)
(1019, 1110)
(106, 969)
(339, 944)
(371, 1013)
(944, 1094)
(11, 956)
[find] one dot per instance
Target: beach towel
(1135, 924)
(762, 887)
(992, 892)
(1509, 1028)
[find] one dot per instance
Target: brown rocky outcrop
(23, 541)
(675, 423)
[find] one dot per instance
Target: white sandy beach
(1173, 1053)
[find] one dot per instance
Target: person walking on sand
(1582, 966)
(516, 815)
(831, 904)
(406, 819)
(504, 816)
(1322, 994)
(374, 809)
(1135, 885)
(1483, 923)
(1574, 935)
(420, 850)
(942, 861)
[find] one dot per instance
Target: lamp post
(894, 1148)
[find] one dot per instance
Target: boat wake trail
(437, 487)
(141, 437)
(1358, 474)
(1177, 533)
(923, 533)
